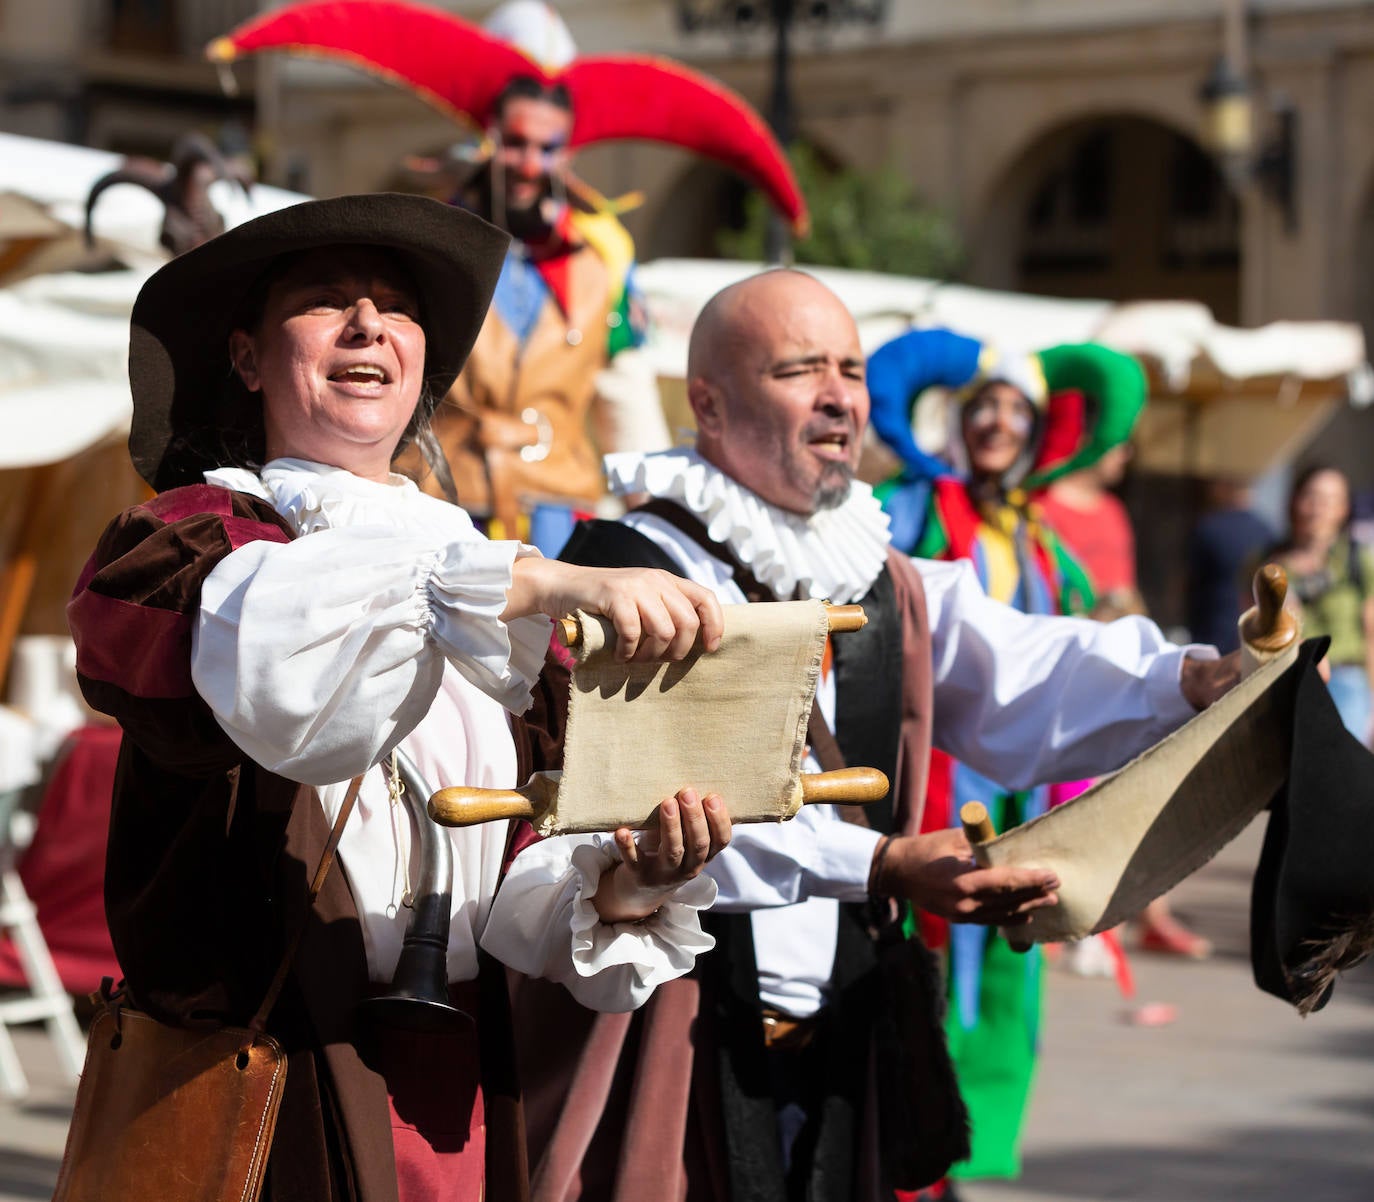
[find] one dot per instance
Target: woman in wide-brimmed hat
(284, 615)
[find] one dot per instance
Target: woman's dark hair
(1309, 472)
(527, 87)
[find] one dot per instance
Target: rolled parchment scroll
(731, 722)
(1134, 835)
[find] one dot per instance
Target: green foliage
(868, 221)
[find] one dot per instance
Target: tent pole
(19, 573)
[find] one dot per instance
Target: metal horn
(418, 997)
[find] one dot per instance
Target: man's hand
(690, 832)
(1203, 681)
(657, 616)
(937, 872)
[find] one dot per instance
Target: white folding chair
(45, 999)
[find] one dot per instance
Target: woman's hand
(657, 616)
(690, 832)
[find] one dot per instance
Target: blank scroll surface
(1137, 834)
(731, 722)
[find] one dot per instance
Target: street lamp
(1229, 134)
(745, 16)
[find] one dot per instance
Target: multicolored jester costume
(1086, 399)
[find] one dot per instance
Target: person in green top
(1331, 578)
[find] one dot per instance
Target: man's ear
(243, 360)
(708, 405)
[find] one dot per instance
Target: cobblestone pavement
(1239, 1099)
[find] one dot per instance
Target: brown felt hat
(188, 404)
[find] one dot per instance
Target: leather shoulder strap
(693, 527)
(258, 1023)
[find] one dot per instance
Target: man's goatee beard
(832, 493)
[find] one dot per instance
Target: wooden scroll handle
(464, 805)
(844, 786)
(978, 826)
(1268, 627)
(843, 618)
(978, 829)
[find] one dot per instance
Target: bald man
(815, 1059)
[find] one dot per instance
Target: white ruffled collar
(316, 496)
(834, 554)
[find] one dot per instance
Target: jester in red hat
(514, 429)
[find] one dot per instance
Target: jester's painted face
(532, 150)
(997, 425)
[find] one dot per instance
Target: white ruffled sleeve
(1027, 698)
(543, 924)
(319, 655)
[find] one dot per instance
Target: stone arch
(1117, 204)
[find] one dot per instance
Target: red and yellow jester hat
(462, 71)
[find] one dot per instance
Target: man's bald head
(727, 326)
(775, 379)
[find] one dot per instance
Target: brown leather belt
(785, 1033)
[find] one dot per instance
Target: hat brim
(179, 332)
(1312, 904)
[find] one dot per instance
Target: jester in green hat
(1019, 421)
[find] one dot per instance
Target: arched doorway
(1121, 207)
(1117, 207)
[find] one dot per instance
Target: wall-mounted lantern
(1229, 134)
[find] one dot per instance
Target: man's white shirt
(1022, 699)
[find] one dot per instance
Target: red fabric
(438, 1115)
(663, 101)
(937, 817)
(196, 499)
(121, 625)
(959, 515)
(106, 628)
(556, 269)
(1065, 427)
(454, 65)
(461, 70)
(522, 837)
(63, 870)
(1100, 538)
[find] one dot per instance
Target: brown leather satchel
(164, 1112)
(180, 1115)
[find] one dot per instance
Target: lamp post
(745, 16)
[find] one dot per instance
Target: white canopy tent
(1224, 400)
(64, 391)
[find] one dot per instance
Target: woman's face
(339, 357)
(1320, 507)
(997, 424)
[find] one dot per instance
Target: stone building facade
(1065, 137)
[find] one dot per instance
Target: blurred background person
(1223, 544)
(1331, 577)
(1018, 421)
(1093, 523)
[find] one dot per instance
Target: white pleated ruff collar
(834, 554)
(315, 496)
